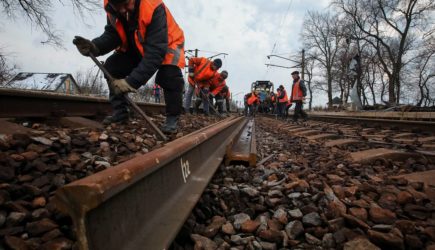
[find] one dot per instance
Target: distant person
(272, 102)
(217, 85)
(299, 92)
(252, 103)
(156, 93)
(282, 101)
(223, 96)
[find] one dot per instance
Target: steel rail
(142, 203)
(244, 149)
(424, 126)
(25, 103)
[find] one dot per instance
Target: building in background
(52, 82)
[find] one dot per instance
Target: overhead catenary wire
(275, 45)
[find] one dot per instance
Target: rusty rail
(24, 103)
(426, 126)
(244, 148)
(142, 203)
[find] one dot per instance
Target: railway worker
(299, 92)
(282, 101)
(146, 39)
(272, 102)
(217, 84)
(253, 101)
(156, 93)
(245, 102)
(223, 96)
(201, 71)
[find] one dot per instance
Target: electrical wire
(275, 45)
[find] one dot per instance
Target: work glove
(121, 86)
(85, 46)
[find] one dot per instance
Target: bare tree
(7, 70)
(425, 68)
(91, 82)
(39, 12)
(389, 26)
(320, 32)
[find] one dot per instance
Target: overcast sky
(245, 29)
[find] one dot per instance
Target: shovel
(132, 103)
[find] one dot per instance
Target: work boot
(170, 126)
(120, 118)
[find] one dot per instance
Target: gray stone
(202, 242)
(312, 240)
(43, 141)
(360, 244)
(228, 228)
(251, 192)
(239, 219)
(15, 218)
(294, 229)
(312, 220)
(274, 193)
(296, 213)
(294, 195)
(328, 241)
(239, 240)
(268, 245)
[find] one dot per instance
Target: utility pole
(196, 52)
(303, 64)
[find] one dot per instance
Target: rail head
(149, 194)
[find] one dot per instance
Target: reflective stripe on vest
(296, 92)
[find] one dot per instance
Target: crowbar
(131, 102)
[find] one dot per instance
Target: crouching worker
(146, 39)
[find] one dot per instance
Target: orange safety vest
(297, 94)
(252, 99)
(285, 98)
(217, 84)
(174, 54)
(201, 70)
(273, 98)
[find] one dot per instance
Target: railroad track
(367, 145)
(126, 189)
(24, 103)
(308, 191)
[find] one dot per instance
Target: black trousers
(169, 77)
(281, 109)
(299, 111)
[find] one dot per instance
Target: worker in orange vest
(147, 39)
(272, 102)
(217, 85)
(252, 102)
(299, 92)
(201, 71)
(223, 96)
(282, 101)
